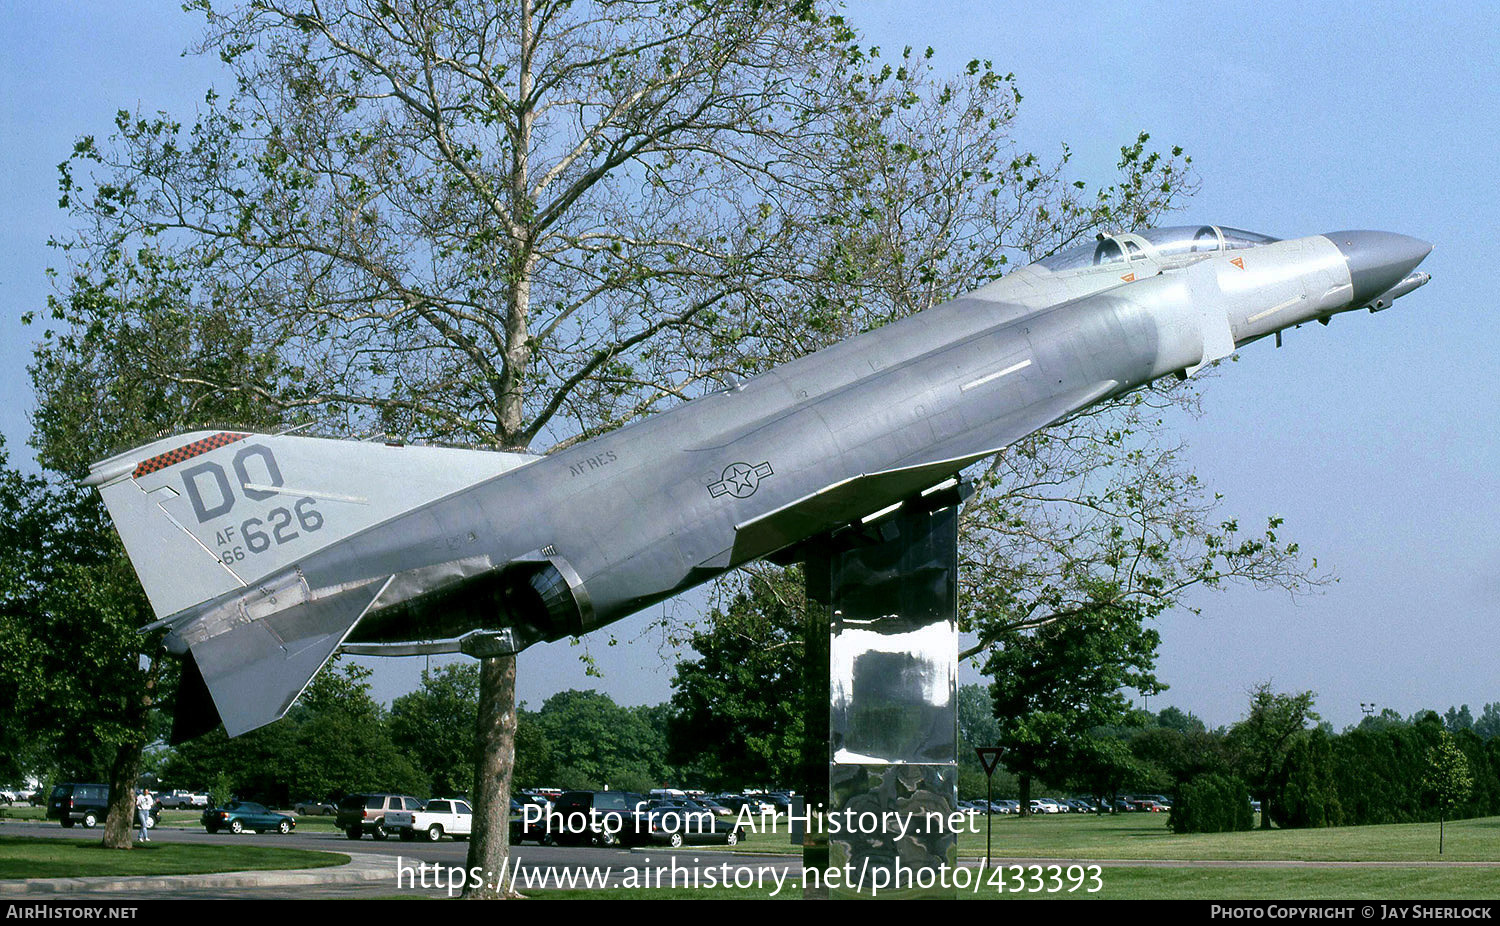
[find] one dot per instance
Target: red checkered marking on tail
(173, 457)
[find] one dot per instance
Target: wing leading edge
(850, 499)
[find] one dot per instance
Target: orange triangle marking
(1239, 262)
(1128, 278)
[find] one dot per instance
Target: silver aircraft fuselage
(540, 548)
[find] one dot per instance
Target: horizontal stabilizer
(256, 668)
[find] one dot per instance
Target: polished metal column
(893, 727)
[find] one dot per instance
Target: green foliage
(134, 358)
(1458, 719)
(70, 674)
(977, 727)
(1211, 804)
(335, 740)
(1306, 788)
(592, 743)
(1056, 684)
(434, 726)
(1448, 778)
(1488, 725)
(737, 715)
(1104, 766)
(976, 719)
(1262, 740)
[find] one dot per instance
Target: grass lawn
(1145, 836)
(1280, 884)
(22, 857)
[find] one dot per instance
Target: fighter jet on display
(263, 554)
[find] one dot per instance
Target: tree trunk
(495, 759)
(1025, 784)
(119, 822)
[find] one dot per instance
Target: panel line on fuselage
(994, 376)
(1277, 308)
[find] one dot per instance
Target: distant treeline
(1375, 772)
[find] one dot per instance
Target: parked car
(440, 816)
(238, 816)
(530, 826)
(177, 800)
(365, 813)
(311, 808)
(677, 823)
(738, 802)
(87, 804)
(602, 818)
(713, 806)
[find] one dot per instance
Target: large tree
(1266, 735)
(737, 709)
(595, 743)
(471, 222)
(1055, 685)
(515, 226)
(72, 676)
(434, 726)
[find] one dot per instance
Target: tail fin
(215, 524)
(206, 513)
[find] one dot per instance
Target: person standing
(143, 805)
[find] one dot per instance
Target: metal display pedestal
(889, 593)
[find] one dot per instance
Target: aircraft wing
(851, 499)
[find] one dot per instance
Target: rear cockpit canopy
(1175, 245)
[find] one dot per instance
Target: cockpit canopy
(1160, 243)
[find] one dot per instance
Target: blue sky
(1375, 437)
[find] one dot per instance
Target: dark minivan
(88, 804)
(600, 818)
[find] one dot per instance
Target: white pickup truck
(441, 816)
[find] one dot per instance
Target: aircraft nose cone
(1378, 260)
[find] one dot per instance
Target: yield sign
(989, 757)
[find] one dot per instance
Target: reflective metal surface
(893, 662)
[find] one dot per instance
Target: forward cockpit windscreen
(1163, 243)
